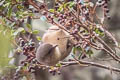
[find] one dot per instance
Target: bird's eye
(58, 38)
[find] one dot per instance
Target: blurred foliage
(5, 45)
(13, 22)
(13, 13)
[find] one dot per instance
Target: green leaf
(38, 38)
(60, 9)
(89, 52)
(29, 26)
(58, 65)
(52, 10)
(20, 6)
(100, 32)
(31, 14)
(71, 4)
(75, 48)
(19, 14)
(12, 25)
(35, 31)
(7, 4)
(9, 12)
(18, 31)
(17, 0)
(25, 13)
(65, 5)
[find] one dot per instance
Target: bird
(54, 47)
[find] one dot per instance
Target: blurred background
(71, 72)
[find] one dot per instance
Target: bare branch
(82, 62)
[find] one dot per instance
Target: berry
(107, 10)
(22, 43)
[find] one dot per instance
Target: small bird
(55, 46)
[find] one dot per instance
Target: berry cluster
(18, 73)
(31, 64)
(78, 19)
(104, 5)
(28, 49)
(65, 19)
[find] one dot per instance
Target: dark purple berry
(107, 11)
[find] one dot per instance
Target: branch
(82, 62)
(110, 52)
(85, 25)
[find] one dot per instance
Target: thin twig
(91, 64)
